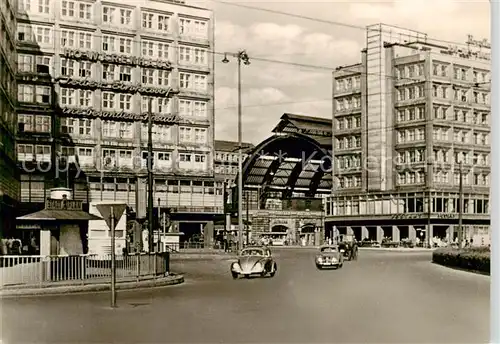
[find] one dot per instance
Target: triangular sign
(105, 210)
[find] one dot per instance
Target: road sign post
(112, 214)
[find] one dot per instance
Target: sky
(270, 89)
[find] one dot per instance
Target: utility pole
(248, 221)
(429, 204)
(159, 224)
(113, 259)
(150, 174)
(240, 56)
(460, 207)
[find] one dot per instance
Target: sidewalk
(397, 249)
(77, 286)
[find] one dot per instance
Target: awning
(59, 215)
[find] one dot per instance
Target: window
(147, 20)
(125, 73)
(25, 33)
(125, 17)
(184, 26)
(108, 43)
(42, 94)
(43, 35)
(108, 72)
(192, 108)
(43, 6)
(27, 121)
(68, 97)
(163, 77)
(24, 5)
(85, 69)
(125, 102)
(163, 22)
(185, 54)
(68, 8)
(185, 134)
(67, 67)
(43, 124)
(25, 63)
(200, 135)
(184, 157)
(85, 40)
(108, 100)
(200, 83)
(107, 14)
(42, 153)
(79, 127)
(125, 45)
(85, 11)
(25, 152)
(185, 80)
(200, 56)
(85, 98)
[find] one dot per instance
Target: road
(381, 298)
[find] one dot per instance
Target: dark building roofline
(231, 146)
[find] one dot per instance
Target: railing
(183, 209)
(80, 269)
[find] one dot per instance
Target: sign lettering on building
(316, 132)
(115, 86)
(422, 216)
(115, 58)
(91, 113)
(63, 204)
(476, 43)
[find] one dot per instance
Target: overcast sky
(271, 89)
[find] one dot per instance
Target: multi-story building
(9, 184)
(405, 119)
(88, 74)
(226, 160)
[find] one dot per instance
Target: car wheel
(234, 274)
(319, 267)
(273, 271)
(263, 273)
(341, 265)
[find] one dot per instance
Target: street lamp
(240, 56)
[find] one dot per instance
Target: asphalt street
(383, 297)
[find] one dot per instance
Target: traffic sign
(105, 210)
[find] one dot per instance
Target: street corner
(170, 280)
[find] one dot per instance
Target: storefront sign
(316, 132)
(116, 58)
(111, 115)
(63, 204)
(422, 216)
(115, 86)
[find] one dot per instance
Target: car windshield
(252, 252)
(329, 249)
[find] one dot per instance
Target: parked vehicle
(329, 256)
(254, 261)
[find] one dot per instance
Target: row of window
(468, 158)
(111, 158)
(348, 83)
(478, 179)
(461, 136)
(461, 115)
(348, 103)
(408, 114)
(410, 70)
(228, 157)
(411, 156)
(109, 101)
(348, 142)
(73, 39)
(116, 16)
(406, 205)
(124, 130)
(443, 178)
(348, 182)
(226, 169)
(460, 73)
(410, 135)
(348, 122)
(347, 162)
(411, 92)
(462, 95)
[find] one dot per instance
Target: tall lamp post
(240, 56)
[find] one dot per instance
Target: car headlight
(257, 266)
(235, 266)
(319, 259)
(342, 251)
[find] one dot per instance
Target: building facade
(409, 120)
(89, 73)
(9, 183)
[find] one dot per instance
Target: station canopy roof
(297, 158)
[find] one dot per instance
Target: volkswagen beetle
(329, 256)
(254, 261)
